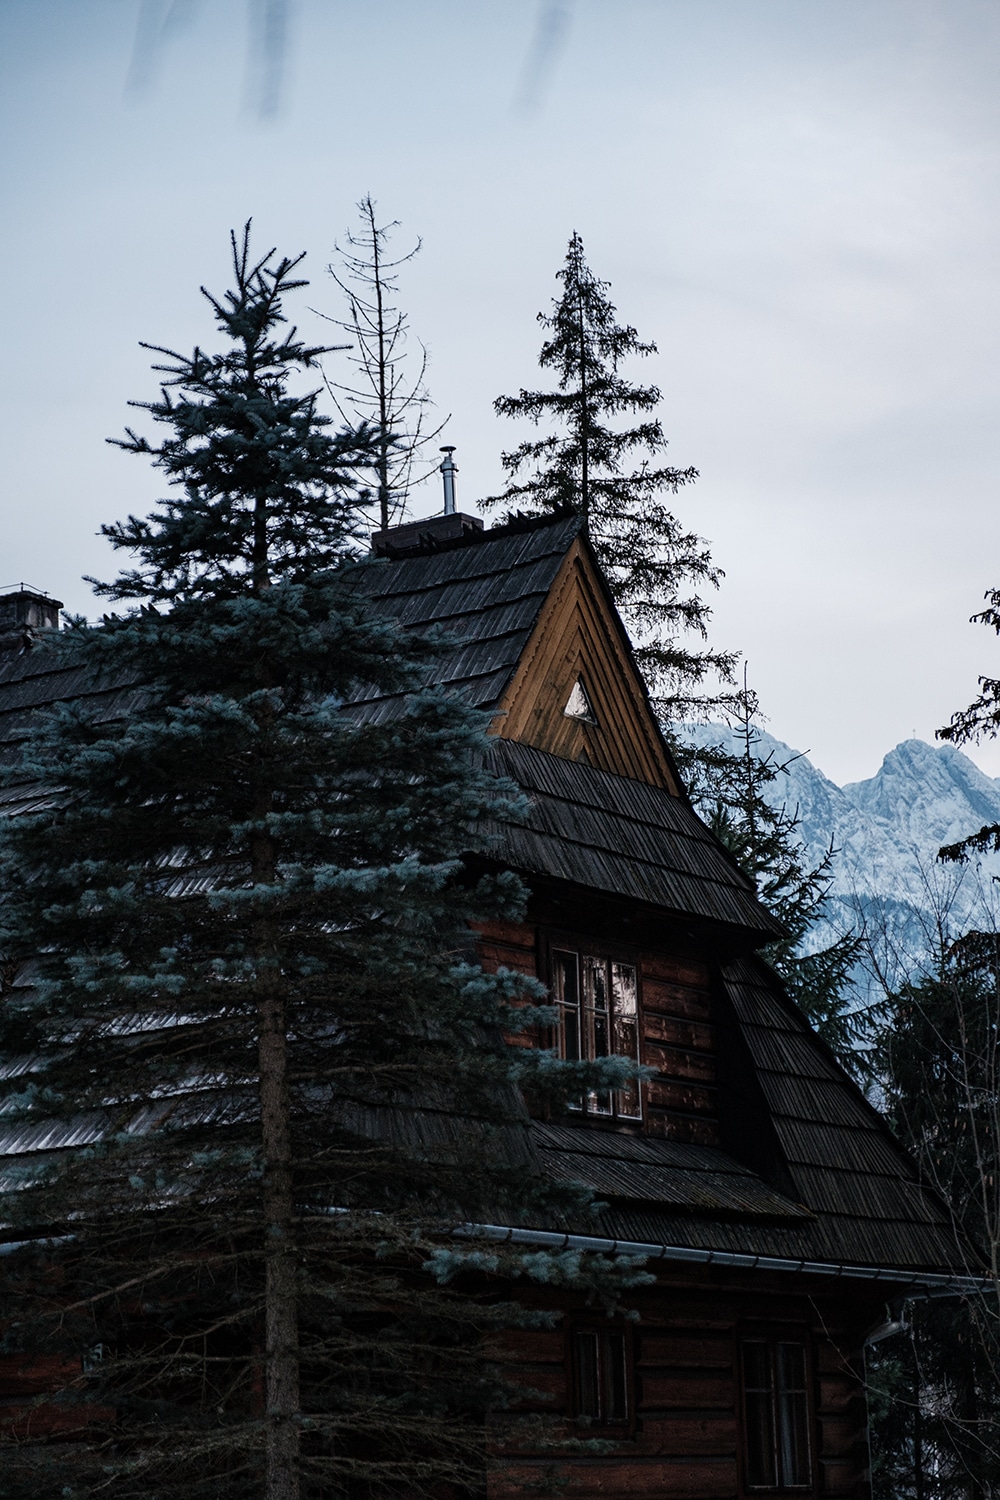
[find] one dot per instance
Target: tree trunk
(281, 1313)
(919, 1489)
(281, 1341)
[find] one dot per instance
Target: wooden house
(777, 1211)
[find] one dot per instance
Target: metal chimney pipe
(449, 470)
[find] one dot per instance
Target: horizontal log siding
(687, 1443)
(25, 1380)
(676, 1001)
(676, 1030)
(510, 945)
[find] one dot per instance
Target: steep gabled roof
(487, 596)
(527, 616)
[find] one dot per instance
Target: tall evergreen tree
(981, 720)
(736, 795)
(604, 458)
(938, 1059)
(235, 936)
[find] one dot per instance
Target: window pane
(588, 1390)
(758, 1395)
(626, 1033)
(614, 1379)
(596, 1023)
(793, 1414)
(567, 996)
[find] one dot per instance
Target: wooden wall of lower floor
(686, 1441)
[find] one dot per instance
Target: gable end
(578, 647)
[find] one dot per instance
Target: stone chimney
(24, 613)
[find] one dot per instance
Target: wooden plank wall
(686, 1442)
(675, 1002)
(577, 637)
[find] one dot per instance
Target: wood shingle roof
(830, 1184)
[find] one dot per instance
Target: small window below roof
(602, 1387)
(597, 999)
(578, 705)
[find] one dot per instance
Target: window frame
(554, 942)
(773, 1335)
(602, 1329)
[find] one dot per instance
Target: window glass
(792, 1414)
(615, 1380)
(596, 1023)
(567, 996)
(776, 1411)
(599, 1017)
(600, 1376)
(588, 1388)
(626, 1033)
(759, 1402)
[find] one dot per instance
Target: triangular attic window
(578, 706)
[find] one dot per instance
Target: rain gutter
(919, 1283)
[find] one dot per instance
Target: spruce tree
(604, 459)
(938, 1060)
(736, 795)
(981, 720)
(237, 975)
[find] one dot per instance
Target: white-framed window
(598, 1001)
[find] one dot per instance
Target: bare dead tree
(384, 395)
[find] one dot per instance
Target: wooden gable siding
(680, 1103)
(577, 637)
(686, 1440)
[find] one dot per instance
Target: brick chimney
(23, 614)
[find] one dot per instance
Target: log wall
(675, 1004)
(686, 1440)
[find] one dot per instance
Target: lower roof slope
(849, 1194)
(608, 833)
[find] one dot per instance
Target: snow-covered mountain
(886, 833)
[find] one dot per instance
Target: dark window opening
(600, 1377)
(776, 1412)
(599, 1017)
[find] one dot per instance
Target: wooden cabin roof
(608, 833)
(805, 1168)
(527, 616)
(846, 1192)
(831, 1184)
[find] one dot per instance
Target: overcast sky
(796, 199)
